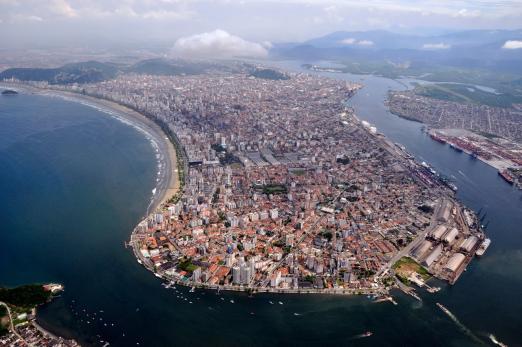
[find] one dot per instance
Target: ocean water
(74, 182)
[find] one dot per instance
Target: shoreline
(498, 164)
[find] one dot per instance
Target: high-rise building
(246, 273)
(236, 275)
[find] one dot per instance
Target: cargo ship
(455, 147)
(438, 138)
(452, 186)
(9, 92)
(482, 248)
(506, 176)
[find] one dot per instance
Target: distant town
(18, 326)
(491, 134)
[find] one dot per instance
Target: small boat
(367, 334)
(270, 302)
(279, 302)
(495, 341)
(231, 301)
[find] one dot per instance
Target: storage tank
(454, 262)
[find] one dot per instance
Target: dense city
(285, 189)
(497, 121)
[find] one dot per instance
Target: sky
(251, 24)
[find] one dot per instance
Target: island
(279, 187)
(18, 326)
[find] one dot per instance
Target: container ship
(506, 176)
(438, 138)
(482, 248)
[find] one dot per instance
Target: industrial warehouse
(451, 243)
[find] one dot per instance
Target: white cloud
(348, 41)
(163, 14)
(440, 45)
(512, 44)
(217, 44)
(27, 18)
(352, 41)
(62, 7)
(465, 13)
(365, 43)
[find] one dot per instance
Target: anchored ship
(438, 138)
(455, 147)
(482, 248)
(506, 176)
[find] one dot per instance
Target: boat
(9, 92)
(495, 341)
(280, 303)
(445, 310)
(367, 334)
(455, 147)
(506, 176)
(452, 186)
(438, 138)
(400, 146)
(483, 247)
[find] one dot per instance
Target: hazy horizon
(254, 25)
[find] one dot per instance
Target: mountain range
(486, 49)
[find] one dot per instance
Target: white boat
(482, 248)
